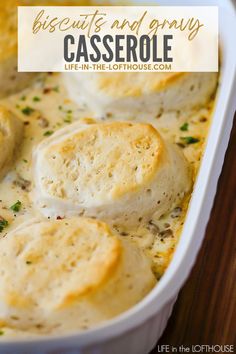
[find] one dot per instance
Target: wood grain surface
(205, 312)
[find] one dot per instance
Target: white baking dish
(137, 330)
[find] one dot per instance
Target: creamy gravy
(45, 108)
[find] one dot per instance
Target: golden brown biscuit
(135, 94)
(118, 172)
(68, 274)
(10, 80)
(11, 133)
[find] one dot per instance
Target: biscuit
(11, 133)
(118, 172)
(134, 94)
(11, 80)
(68, 274)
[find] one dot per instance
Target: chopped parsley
(36, 99)
(55, 89)
(23, 98)
(16, 207)
(3, 224)
(1, 332)
(68, 119)
(184, 127)
(190, 140)
(28, 262)
(25, 161)
(48, 133)
(27, 110)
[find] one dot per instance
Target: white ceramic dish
(137, 330)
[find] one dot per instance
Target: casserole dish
(137, 330)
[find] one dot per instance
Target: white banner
(117, 38)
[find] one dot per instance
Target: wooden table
(205, 312)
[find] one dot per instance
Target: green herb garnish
(48, 133)
(28, 262)
(16, 207)
(27, 111)
(68, 119)
(56, 88)
(184, 127)
(36, 99)
(3, 224)
(23, 98)
(190, 140)
(1, 332)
